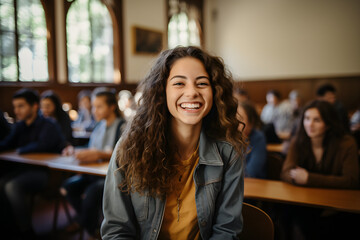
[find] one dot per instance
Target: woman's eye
(178, 84)
(203, 84)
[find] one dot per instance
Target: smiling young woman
(178, 171)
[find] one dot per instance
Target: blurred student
(241, 94)
(296, 103)
(32, 133)
(84, 192)
(5, 126)
(327, 92)
(256, 157)
(51, 107)
(321, 155)
(85, 120)
(277, 113)
(355, 120)
(355, 126)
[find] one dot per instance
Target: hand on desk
(68, 151)
(83, 155)
(88, 155)
(299, 175)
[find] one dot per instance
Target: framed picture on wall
(147, 41)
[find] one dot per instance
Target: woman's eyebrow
(178, 76)
(183, 77)
(200, 77)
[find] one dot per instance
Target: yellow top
(180, 217)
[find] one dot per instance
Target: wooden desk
(275, 147)
(267, 190)
(56, 161)
(281, 192)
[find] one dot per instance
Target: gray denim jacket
(219, 180)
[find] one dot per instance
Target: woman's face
(47, 107)
(313, 123)
(245, 120)
(100, 109)
(189, 94)
(85, 103)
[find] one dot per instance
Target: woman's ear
(113, 107)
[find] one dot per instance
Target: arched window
(23, 41)
(89, 42)
(184, 26)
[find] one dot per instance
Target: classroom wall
(141, 13)
(282, 39)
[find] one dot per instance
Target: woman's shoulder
(226, 150)
(347, 140)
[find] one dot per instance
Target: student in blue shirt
(32, 133)
(256, 157)
(84, 192)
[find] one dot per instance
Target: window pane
(182, 27)
(30, 62)
(32, 41)
(7, 16)
(8, 71)
(89, 42)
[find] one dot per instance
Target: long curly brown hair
(144, 154)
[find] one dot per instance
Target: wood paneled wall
(348, 90)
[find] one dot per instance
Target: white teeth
(190, 105)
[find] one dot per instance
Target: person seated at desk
(51, 107)
(85, 120)
(277, 117)
(321, 155)
(256, 157)
(32, 133)
(84, 192)
(327, 92)
(5, 126)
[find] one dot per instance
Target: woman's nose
(191, 90)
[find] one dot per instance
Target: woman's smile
(189, 94)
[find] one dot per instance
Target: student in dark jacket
(5, 127)
(327, 92)
(32, 133)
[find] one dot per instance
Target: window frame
(48, 7)
(199, 4)
(115, 10)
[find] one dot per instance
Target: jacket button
(203, 223)
(154, 230)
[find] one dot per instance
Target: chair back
(257, 224)
(274, 165)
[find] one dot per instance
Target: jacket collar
(208, 151)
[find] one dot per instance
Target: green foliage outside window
(23, 42)
(89, 42)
